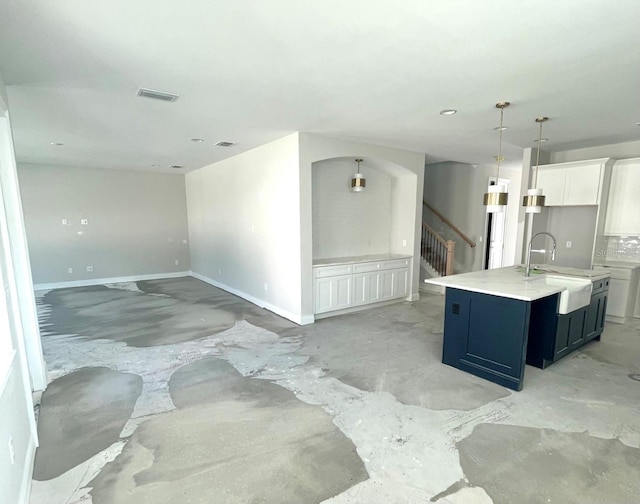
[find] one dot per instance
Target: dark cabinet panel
(486, 336)
(595, 315)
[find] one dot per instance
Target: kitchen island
(496, 321)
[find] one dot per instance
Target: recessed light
(57, 144)
(448, 112)
(541, 140)
(500, 128)
(197, 140)
(154, 166)
(224, 144)
(176, 166)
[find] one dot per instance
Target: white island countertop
(511, 283)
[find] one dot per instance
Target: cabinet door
(388, 284)
(618, 296)
(582, 185)
(552, 181)
(595, 315)
(577, 329)
(332, 293)
(403, 282)
(366, 288)
(623, 208)
(394, 283)
(570, 332)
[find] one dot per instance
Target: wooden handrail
(468, 240)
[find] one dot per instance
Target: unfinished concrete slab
(235, 439)
(397, 349)
(82, 414)
(416, 424)
(520, 464)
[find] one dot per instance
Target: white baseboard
(294, 317)
(102, 281)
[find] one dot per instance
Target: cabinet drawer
(600, 285)
(366, 267)
(395, 263)
(328, 271)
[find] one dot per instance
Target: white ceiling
(251, 71)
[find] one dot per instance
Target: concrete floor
(173, 391)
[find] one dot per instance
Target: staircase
(437, 254)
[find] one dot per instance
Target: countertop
(619, 264)
(511, 283)
(358, 259)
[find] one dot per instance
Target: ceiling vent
(157, 95)
(224, 144)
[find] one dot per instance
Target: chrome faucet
(527, 268)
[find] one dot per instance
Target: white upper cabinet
(623, 209)
(551, 180)
(573, 184)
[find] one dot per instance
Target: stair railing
(436, 251)
(468, 240)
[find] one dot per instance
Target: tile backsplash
(619, 248)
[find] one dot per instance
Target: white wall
(17, 319)
(137, 223)
(347, 223)
(456, 190)
(244, 225)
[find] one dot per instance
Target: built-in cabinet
(357, 283)
(623, 209)
(576, 183)
(623, 291)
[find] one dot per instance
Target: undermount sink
(576, 293)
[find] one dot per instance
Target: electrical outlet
(89, 269)
(404, 243)
(219, 271)
(84, 222)
(12, 453)
(569, 243)
(69, 270)
(177, 262)
(65, 222)
(266, 287)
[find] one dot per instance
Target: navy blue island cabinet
(493, 337)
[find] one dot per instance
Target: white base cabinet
(342, 286)
(623, 289)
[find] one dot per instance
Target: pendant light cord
(535, 177)
(540, 121)
(500, 145)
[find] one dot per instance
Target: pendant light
(494, 199)
(534, 200)
(358, 181)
